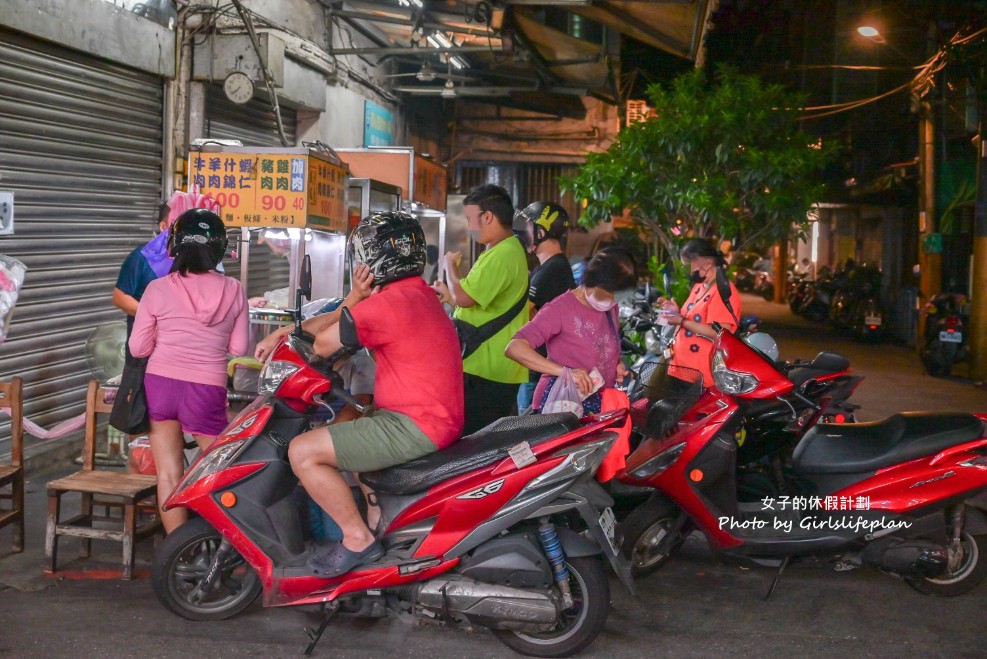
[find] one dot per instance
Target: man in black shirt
(546, 226)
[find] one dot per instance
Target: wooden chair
(12, 475)
(128, 490)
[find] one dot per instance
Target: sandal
(336, 560)
(378, 528)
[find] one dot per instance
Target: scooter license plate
(872, 320)
(951, 337)
(609, 525)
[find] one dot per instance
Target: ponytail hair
(700, 247)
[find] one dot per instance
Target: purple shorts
(200, 408)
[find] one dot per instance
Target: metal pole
(978, 291)
(930, 265)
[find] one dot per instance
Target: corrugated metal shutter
(252, 123)
(527, 182)
(541, 183)
(80, 146)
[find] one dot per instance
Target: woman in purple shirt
(579, 330)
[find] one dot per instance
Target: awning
(518, 53)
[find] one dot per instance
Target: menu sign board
(261, 189)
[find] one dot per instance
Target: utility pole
(978, 292)
(930, 264)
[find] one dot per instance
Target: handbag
(129, 413)
(472, 337)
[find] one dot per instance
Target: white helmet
(764, 344)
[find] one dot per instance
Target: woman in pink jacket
(187, 323)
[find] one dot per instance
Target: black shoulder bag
(472, 337)
(129, 414)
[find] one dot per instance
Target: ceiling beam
(408, 50)
(411, 22)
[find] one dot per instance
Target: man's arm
(126, 303)
(461, 297)
(327, 341)
(362, 285)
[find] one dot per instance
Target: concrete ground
(696, 606)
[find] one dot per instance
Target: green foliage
(965, 196)
(719, 159)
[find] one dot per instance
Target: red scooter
(906, 495)
(507, 529)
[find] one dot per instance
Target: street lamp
(871, 33)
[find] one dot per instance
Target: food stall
(422, 182)
(366, 195)
(283, 203)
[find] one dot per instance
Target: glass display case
(366, 195)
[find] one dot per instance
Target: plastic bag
(140, 457)
(564, 396)
(11, 279)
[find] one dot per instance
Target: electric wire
(920, 85)
(268, 77)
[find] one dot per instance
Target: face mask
(696, 278)
(600, 305)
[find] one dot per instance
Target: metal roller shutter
(80, 146)
(254, 124)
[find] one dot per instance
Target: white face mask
(600, 305)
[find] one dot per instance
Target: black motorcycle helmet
(391, 243)
(198, 227)
(546, 219)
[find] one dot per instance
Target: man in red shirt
(418, 394)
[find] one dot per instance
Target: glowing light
(815, 241)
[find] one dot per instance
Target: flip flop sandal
(337, 560)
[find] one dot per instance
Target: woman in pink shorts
(187, 323)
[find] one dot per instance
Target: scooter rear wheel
(577, 626)
(971, 571)
(180, 565)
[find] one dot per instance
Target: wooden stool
(12, 475)
(127, 489)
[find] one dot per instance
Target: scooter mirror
(347, 331)
(305, 280)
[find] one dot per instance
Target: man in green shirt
(496, 282)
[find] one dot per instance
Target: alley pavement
(697, 606)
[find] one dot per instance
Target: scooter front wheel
(181, 564)
(967, 575)
(578, 625)
(646, 540)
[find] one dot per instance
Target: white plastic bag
(564, 396)
(11, 279)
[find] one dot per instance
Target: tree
(719, 158)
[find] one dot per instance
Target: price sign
(271, 189)
(327, 195)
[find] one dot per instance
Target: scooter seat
(823, 364)
(482, 448)
(865, 447)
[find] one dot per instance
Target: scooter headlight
(659, 463)
(652, 343)
(273, 375)
(731, 382)
(211, 462)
